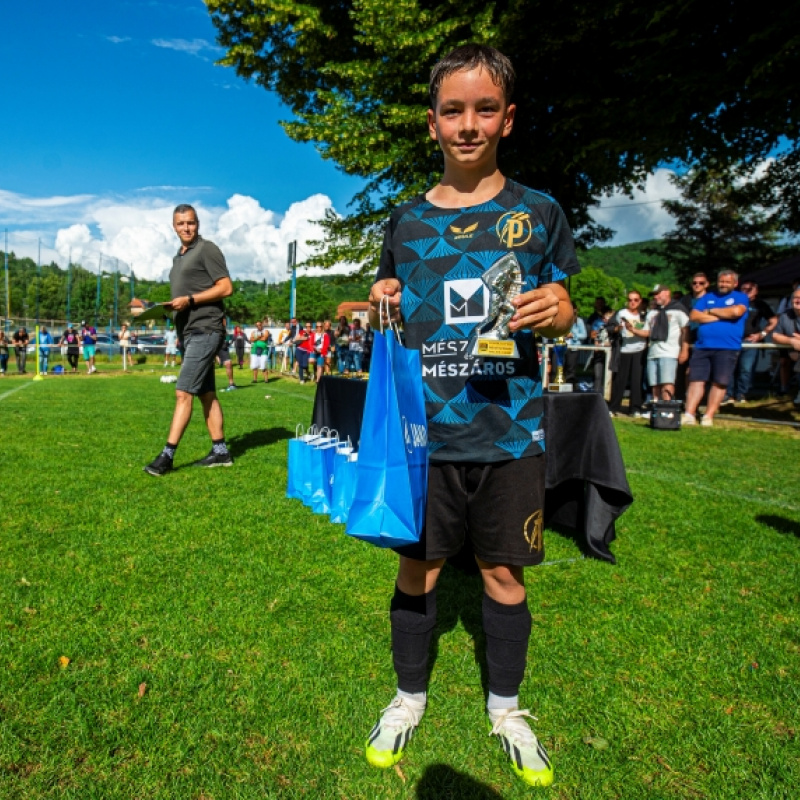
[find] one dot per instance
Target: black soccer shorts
(497, 507)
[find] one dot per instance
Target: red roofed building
(359, 310)
(136, 306)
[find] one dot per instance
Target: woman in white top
(631, 356)
(124, 343)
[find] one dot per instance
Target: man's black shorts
(498, 508)
(716, 366)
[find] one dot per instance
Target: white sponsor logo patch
(465, 300)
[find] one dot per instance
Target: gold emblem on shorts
(532, 530)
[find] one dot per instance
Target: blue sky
(115, 112)
(108, 96)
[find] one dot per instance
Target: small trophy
(559, 351)
(492, 337)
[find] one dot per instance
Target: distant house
(353, 311)
(137, 306)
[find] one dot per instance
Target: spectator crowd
(664, 347)
(672, 346)
(303, 351)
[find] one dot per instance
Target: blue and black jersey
(480, 409)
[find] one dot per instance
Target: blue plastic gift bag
(294, 473)
(322, 454)
(344, 484)
(388, 507)
(298, 483)
(314, 469)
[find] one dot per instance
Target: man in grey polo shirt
(199, 280)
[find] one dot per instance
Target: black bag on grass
(665, 415)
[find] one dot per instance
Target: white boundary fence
(608, 375)
(58, 354)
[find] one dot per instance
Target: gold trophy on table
(559, 352)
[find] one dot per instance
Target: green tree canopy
(606, 90)
(591, 283)
(717, 225)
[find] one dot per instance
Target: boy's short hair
(472, 56)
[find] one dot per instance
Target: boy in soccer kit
(486, 442)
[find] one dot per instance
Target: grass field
(225, 643)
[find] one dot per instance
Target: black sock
(507, 630)
(219, 447)
(169, 450)
(413, 619)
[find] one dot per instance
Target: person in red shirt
(320, 344)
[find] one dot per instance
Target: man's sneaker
(528, 758)
(215, 460)
(393, 731)
(728, 401)
(160, 466)
(688, 419)
(231, 388)
(707, 422)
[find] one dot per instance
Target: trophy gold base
(560, 387)
(490, 347)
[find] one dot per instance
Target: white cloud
(193, 47)
(118, 39)
(641, 216)
(136, 232)
(19, 209)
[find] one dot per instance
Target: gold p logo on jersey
(514, 228)
(532, 530)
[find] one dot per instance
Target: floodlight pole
(38, 278)
(8, 296)
(292, 267)
(97, 297)
(69, 283)
(116, 291)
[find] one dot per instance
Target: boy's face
(470, 118)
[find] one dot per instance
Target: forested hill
(51, 288)
(622, 262)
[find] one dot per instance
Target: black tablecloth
(586, 486)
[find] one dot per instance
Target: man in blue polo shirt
(720, 316)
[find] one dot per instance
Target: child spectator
(357, 341)
(20, 340)
(45, 340)
(89, 342)
(3, 354)
(72, 342)
(599, 336)
(343, 345)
